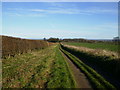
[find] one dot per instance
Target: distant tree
(53, 40)
(116, 40)
(44, 39)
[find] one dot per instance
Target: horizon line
(59, 38)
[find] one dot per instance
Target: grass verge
(61, 77)
(96, 80)
(106, 64)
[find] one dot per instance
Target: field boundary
(12, 46)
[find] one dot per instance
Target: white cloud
(75, 11)
(44, 12)
(56, 11)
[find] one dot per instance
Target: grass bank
(96, 80)
(105, 64)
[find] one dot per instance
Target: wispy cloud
(56, 10)
(74, 11)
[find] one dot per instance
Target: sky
(37, 20)
(60, 0)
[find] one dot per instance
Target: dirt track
(80, 78)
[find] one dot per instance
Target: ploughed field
(51, 67)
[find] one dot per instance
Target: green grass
(37, 69)
(61, 75)
(106, 46)
(96, 80)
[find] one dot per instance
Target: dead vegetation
(12, 46)
(97, 52)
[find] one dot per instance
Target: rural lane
(80, 78)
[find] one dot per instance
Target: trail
(80, 78)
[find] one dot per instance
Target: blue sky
(90, 20)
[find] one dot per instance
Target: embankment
(107, 66)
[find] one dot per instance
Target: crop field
(106, 46)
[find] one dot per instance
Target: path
(80, 78)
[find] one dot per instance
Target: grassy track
(60, 73)
(39, 69)
(96, 80)
(106, 46)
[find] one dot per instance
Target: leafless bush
(12, 45)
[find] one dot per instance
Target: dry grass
(98, 52)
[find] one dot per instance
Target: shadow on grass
(109, 68)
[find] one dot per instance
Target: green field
(38, 69)
(106, 46)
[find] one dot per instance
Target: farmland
(55, 65)
(59, 44)
(106, 46)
